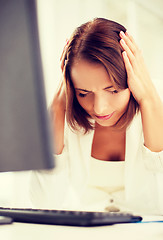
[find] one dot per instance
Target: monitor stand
(5, 220)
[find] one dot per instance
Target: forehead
(89, 76)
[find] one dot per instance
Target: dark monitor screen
(25, 142)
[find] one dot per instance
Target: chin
(105, 123)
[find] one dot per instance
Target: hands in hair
(139, 81)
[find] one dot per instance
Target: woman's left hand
(139, 81)
(143, 90)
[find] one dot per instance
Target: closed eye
(82, 95)
(111, 90)
(114, 92)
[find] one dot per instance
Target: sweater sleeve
(153, 160)
(48, 188)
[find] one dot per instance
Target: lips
(105, 117)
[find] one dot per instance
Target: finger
(128, 51)
(129, 42)
(64, 49)
(128, 66)
(62, 63)
(62, 58)
(131, 38)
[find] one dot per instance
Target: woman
(112, 148)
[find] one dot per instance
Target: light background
(57, 21)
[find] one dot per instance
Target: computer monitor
(25, 141)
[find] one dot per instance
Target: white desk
(137, 231)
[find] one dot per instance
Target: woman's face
(96, 94)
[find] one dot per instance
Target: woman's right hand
(59, 100)
(62, 58)
(58, 109)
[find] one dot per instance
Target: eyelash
(114, 92)
(85, 94)
(82, 95)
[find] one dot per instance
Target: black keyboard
(71, 218)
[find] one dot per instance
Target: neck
(109, 128)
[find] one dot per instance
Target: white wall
(58, 19)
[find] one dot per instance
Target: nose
(101, 105)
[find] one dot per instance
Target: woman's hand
(143, 90)
(57, 111)
(139, 81)
(62, 58)
(59, 101)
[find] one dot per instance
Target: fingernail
(122, 34)
(127, 34)
(122, 41)
(124, 53)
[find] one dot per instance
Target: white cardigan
(67, 186)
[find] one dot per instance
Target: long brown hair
(96, 41)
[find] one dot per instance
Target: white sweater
(83, 183)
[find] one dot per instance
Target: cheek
(85, 103)
(123, 100)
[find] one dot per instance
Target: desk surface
(136, 231)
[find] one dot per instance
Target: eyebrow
(84, 90)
